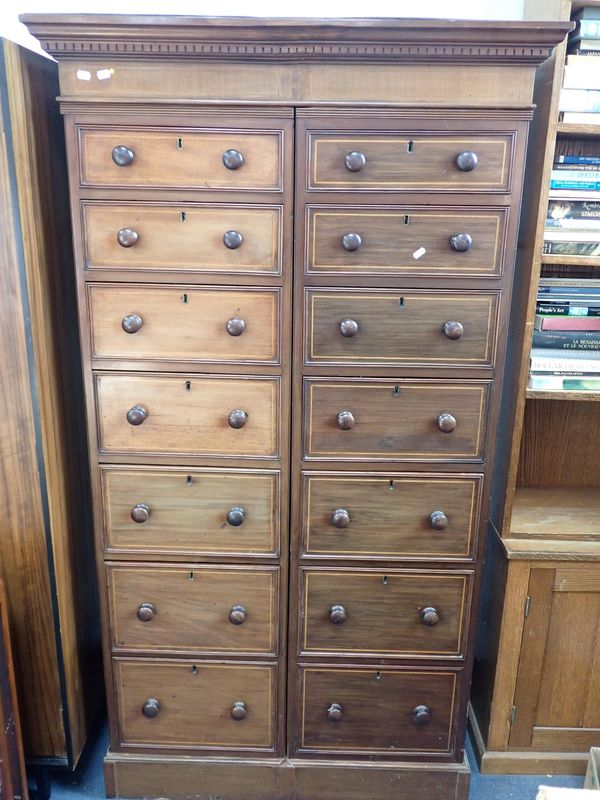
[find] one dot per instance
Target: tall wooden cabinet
(536, 696)
(294, 247)
(46, 542)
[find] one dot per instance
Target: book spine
(576, 169)
(580, 99)
(586, 29)
(566, 323)
(566, 310)
(566, 291)
(566, 341)
(584, 365)
(571, 248)
(579, 160)
(573, 183)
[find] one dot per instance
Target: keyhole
(396, 391)
(188, 386)
(406, 219)
(378, 675)
(401, 302)
(188, 480)
(191, 576)
(182, 216)
(179, 143)
(184, 298)
(385, 580)
(391, 485)
(410, 147)
(194, 670)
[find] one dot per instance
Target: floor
(483, 787)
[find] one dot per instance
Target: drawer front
(197, 238)
(195, 704)
(194, 415)
(376, 711)
(384, 613)
(404, 161)
(185, 324)
(376, 328)
(405, 241)
(384, 421)
(390, 516)
(191, 608)
(196, 512)
(190, 158)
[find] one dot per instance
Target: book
(579, 183)
(567, 340)
(567, 224)
(551, 383)
(566, 309)
(572, 159)
(580, 117)
(580, 99)
(574, 210)
(586, 28)
(576, 76)
(587, 249)
(572, 234)
(584, 45)
(587, 12)
(576, 169)
(549, 360)
(566, 323)
(573, 194)
(570, 284)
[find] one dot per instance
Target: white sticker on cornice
(84, 75)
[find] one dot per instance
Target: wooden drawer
(405, 241)
(191, 608)
(188, 414)
(168, 237)
(390, 515)
(383, 420)
(181, 323)
(193, 511)
(182, 158)
(408, 162)
(376, 711)
(194, 703)
(395, 613)
(373, 328)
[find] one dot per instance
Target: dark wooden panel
(194, 608)
(358, 327)
(384, 613)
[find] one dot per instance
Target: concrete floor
(483, 787)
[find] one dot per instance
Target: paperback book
(567, 340)
(544, 322)
(549, 360)
(571, 248)
(554, 383)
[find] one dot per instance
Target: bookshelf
(535, 703)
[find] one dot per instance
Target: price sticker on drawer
(419, 253)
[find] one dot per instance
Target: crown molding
(291, 40)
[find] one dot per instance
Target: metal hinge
(527, 605)
(513, 714)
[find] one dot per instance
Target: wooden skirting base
(189, 778)
(523, 762)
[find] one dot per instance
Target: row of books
(580, 95)
(566, 340)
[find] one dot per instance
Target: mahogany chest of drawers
(295, 244)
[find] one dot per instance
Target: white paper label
(84, 75)
(104, 74)
(418, 253)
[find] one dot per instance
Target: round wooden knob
(132, 323)
(421, 715)
(146, 612)
(236, 516)
(430, 616)
(237, 418)
(345, 420)
(348, 328)
(340, 518)
(127, 237)
(233, 159)
(446, 422)
(438, 520)
(235, 326)
(239, 711)
(136, 415)
(122, 156)
(232, 239)
(467, 161)
(355, 161)
(140, 512)
(151, 708)
(237, 615)
(351, 241)
(335, 712)
(337, 615)
(453, 330)
(461, 242)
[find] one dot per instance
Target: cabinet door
(557, 696)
